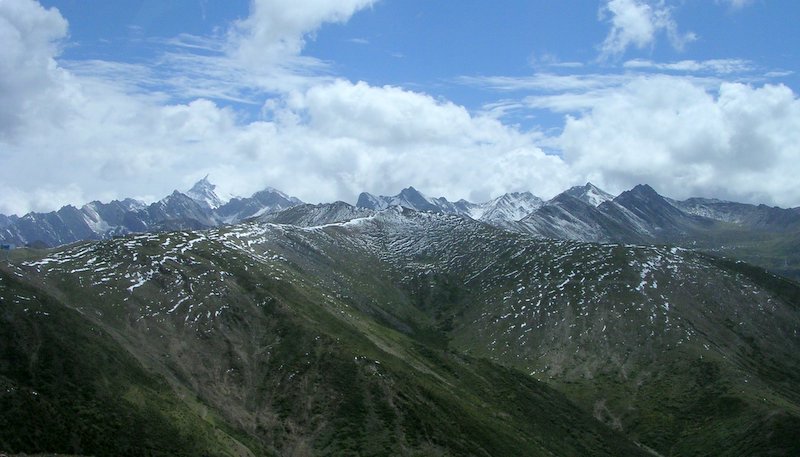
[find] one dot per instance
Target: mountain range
(763, 235)
(336, 330)
(198, 208)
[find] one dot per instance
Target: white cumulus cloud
(29, 75)
(734, 141)
(277, 29)
(636, 23)
(335, 140)
(100, 136)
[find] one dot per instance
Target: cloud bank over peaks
(349, 137)
(322, 140)
(734, 141)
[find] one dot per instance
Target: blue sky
(324, 99)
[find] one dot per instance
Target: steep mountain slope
(110, 218)
(387, 334)
(661, 218)
(568, 218)
(175, 212)
(5, 221)
(636, 215)
(67, 385)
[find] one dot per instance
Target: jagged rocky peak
(411, 193)
(590, 194)
(369, 201)
(643, 192)
(203, 193)
(414, 199)
(644, 196)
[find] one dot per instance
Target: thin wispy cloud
(717, 66)
(543, 82)
(736, 4)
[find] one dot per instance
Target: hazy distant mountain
(755, 216)
(198, 208)
(263, 202)
(408, 198)
(318, 215)
(505, 208)
(5, 221)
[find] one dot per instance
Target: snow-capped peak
(590, 194)
(203, 192)
(507, 207)
(281, 194)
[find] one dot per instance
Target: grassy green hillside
(257, 359)
(67, 386)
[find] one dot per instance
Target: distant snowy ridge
(507, 207)
(198, 208)
(584, 213)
